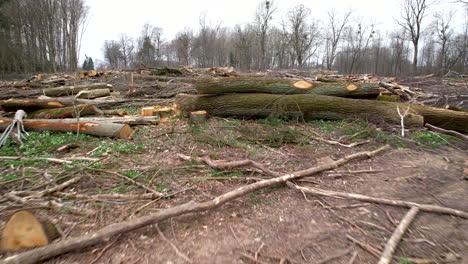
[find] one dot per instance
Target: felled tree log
(66, 112)
(129, 120)
(285, 86)
(29, 105)
(311, 106)
(70, 90)
(96, 128)
(90, 94)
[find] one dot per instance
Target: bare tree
(302, 36)
(334, 35)
(263, 16)
(126, 49)
(412, 16)
(444, 35)
(113, 54)
(182, 45)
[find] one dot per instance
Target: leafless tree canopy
(40, 35)
(44, 35)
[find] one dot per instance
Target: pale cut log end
(351, 87)
(198, 117)
(147, 111)
(125, 132)
(303, 85)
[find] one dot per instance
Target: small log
(198, 117)
(395, 89)
(447, 132)
(117, 112)
(285, 86)
(91, 94)
(455, 108)
(24, 230)
(96, 128)
(29, 105)
(65, 112)
(71, 90)
(56, 80)
(394, 240)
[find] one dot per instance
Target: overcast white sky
(108, 19)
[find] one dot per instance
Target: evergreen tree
(88, 64)
(85, 63)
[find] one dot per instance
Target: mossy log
(71, 90)
(96, 128)
(24, 230)
(286, 86)
(66, 112)
(311, 106)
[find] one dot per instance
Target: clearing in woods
(272, 225)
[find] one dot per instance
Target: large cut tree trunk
(311, 106)
(285, 86)
(66, 112)
(96, 128)
(70, 90)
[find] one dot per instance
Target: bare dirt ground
(274, 225)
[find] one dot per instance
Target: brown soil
(277, 224)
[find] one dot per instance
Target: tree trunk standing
(415, 58)
(311, 106)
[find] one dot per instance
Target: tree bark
(311, 106)
(29, 105)
(91, 94)
(70, 90)
(285, 86)
(96, 128)
(66, 112)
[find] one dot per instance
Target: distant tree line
(40, 35)
(342, 42)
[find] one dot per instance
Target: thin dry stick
(374, 252)
(182, 255)
(402, 119)
(338, 255)
(447, 132)
(108, 196)
(394, 240)
(54, 189)
(424, 207)
(64, 246)
(353, 258)
(128, 179)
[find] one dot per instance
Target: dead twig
(180, 254)
(374, 252)
(394, 240)
(338, 255)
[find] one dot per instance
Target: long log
(96, 128)
(70, 90)
(286, 86)
(75, 243)
(66, 112)
(311, 106)
(91, 94)
(29, 105)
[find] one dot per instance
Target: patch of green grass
(132, 110)
(123, 188)
(391, 139)
(272, 121)
(271, 137)
(118, 146)
(328, 126)
(429, 139)
(225, 174)
(130, 173)
(405, 261)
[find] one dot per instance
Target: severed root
(19, 133)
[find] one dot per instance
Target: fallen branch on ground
(394, 240)
(447, 132)
(423, 207)
(101, 235)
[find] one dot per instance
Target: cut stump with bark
(198, 117)
(24, 230)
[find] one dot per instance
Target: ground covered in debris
(273, 225)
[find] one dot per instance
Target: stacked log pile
(61, 109)
(306, 100)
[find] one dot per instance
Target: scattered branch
(447, 132)
(394, 240)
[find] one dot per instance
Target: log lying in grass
(311, 106)
(35, 104)
(66, 112)
(96, 128)
(285, 86)
(24, 230)
(70, 90)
